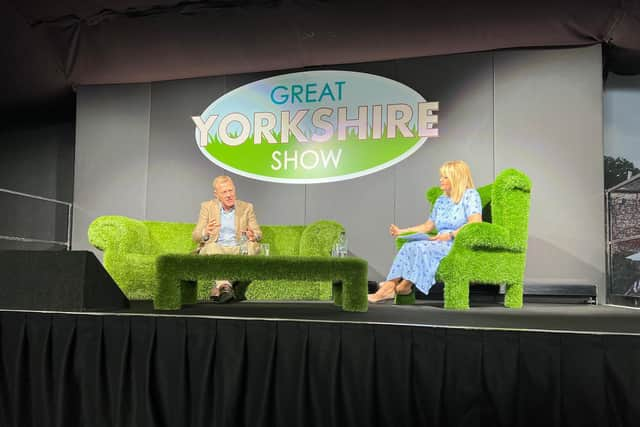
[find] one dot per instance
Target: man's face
(226, 194)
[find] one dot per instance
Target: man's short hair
(220, 179)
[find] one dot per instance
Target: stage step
(533, 292)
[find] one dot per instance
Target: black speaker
(57, 280)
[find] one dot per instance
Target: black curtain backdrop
(86, 370)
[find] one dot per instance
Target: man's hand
(251, 235)
(211, 227)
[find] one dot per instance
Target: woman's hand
(394, 230)
(442, 237)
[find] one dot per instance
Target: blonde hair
(459, 175)
(220, 179)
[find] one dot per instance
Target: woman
(417, 261)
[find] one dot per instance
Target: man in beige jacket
(221, 224)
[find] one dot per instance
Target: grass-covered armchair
(492, 252)
(131, 248)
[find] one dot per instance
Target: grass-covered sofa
(131, 248)
(492, 252)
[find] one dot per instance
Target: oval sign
(315, 126)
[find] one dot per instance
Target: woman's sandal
(379, 298)
(374, 299)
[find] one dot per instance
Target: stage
(543, 317)
(311, 364)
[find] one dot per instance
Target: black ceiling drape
(78, 42)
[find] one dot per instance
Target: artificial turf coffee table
(178, 275)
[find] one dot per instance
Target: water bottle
(244, 244)
(341, 249)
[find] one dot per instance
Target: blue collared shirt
(227, 235)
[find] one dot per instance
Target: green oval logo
(315, 126)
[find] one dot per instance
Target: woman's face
(445, 183)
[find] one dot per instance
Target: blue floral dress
(417, 261)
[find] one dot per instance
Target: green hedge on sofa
(492, 252)
(131, 248)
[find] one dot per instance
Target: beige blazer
(245, 218)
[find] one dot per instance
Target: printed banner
(315, 126)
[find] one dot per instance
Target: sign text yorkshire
(315, 126)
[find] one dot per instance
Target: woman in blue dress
(417, 261)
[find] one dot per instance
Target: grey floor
(575, 317)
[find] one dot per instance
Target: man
(222, 223)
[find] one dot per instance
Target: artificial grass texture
(316, 239)
(130, 251)
(179, 275)
(131, 247)
(489, 252)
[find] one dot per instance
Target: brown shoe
(215, 293)
(226, 294)
(240, 289)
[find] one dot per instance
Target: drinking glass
(244, 244)
(264, 249)
(338, 250)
